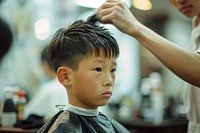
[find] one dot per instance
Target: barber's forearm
(184, 63)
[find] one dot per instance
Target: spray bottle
(9, 109)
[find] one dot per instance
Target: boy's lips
(185, 9)
(107, 94)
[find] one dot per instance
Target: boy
(84, 57)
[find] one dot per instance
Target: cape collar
(82, 111)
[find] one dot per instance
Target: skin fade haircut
(82, 38)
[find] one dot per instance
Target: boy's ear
(64, 75)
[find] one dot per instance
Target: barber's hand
(117, 13)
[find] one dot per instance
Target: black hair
(69, 46)
(45, 56)
(6, 38)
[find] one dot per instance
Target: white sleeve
(38, 104)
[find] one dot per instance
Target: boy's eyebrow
(115, 63)
(100, 61)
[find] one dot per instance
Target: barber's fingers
(106, 15)
(103, 9)
(109, 10)
(108, 4)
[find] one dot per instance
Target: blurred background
(140, 76)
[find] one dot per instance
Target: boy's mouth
(107, 94)
(185, 9)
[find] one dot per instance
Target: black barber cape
(78, 120)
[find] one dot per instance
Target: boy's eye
(98, 69)
(113, 70)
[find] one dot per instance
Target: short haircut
(82, 38)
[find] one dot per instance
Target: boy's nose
(108, 80)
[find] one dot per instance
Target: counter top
(16, 130)
(167, 126)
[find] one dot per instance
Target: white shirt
(44, 102)
(192, 95)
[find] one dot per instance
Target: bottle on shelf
(20, 104)
(8, 108)
(157, 97)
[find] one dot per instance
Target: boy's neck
(82, 111)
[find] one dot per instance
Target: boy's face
(93, 82)
(189, 8)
